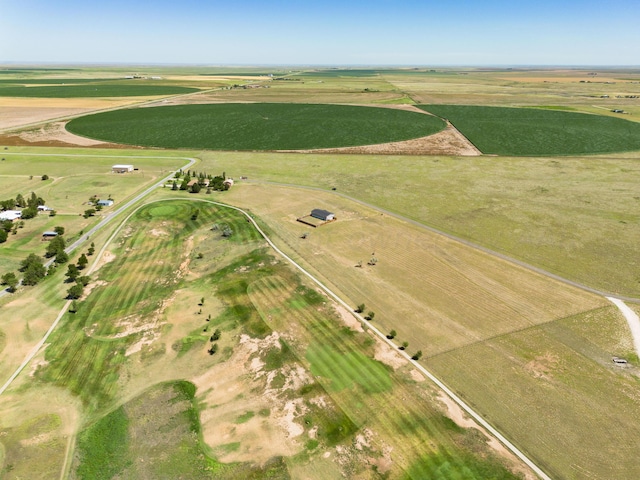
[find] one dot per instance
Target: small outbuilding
(105, 203)
(322, 214)
(49, 235)
(44, 208)
(122, 168)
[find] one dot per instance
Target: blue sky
(330, 32)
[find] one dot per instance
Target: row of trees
(391, 335)
(204, 180)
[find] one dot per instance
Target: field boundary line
(457, 239)
(510, 446)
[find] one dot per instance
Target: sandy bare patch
(389, 356)
(447, 142)
(89, 288)
(240, 385)
(416, 375)
(158, 232)
(106, 257)
(455, 413)
(348, 319)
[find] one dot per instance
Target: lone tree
(92, 249)
(392, 334)
(72, 273)
(370, 316)
(227, 232)
(75, 291)
(11, 281)
(360, 308)
(417, 355)
(82, 262)
(404, 345)
(213, 349)
(74, 307)
(89, 213)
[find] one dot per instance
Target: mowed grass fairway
(260, 126)
(94, 90)
(478, 320)
(530, 131)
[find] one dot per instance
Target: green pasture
(561, 396)
(95, 90)
(517, 131)
(576, 217)
(255, 126)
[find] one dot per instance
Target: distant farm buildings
(105, 203)
(122, 168)
(10, 215)
(44, 208)
(317, 218)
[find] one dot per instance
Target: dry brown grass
(446, 295)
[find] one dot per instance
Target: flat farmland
(519, 131)
(93, 90)
(255, 126)
(575, 217)
(445, 300)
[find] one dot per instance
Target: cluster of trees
(204, 180)
(74, 275)
(29, 206)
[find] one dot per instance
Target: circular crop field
(256, 126)
(533, 131)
